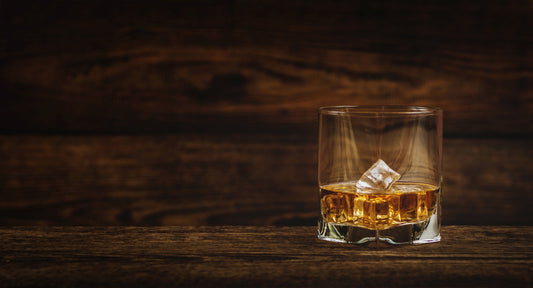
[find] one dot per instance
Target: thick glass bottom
(414, 233)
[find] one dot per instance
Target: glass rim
(380, 110)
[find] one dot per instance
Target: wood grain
(204, 112)
(468, 256)
(134, 66)
(252, 179)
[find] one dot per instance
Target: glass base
(415, 233)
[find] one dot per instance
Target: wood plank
(263, 66)
(468, 256)
(209, 179)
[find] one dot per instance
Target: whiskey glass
(379, 174)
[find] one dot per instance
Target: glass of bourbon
(379, 174)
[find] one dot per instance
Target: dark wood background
(205, 112)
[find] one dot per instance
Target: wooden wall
(205, 112)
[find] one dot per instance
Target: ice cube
(378, 178)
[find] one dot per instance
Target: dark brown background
(205, 112)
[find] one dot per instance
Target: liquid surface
(404, 203)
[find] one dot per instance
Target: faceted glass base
(417, 233)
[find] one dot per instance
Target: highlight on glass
(380, 174)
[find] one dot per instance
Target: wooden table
(246, 256)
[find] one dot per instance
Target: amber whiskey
(404, 203)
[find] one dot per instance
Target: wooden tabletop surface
(247, 256)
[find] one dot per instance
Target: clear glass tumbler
(379, 174)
